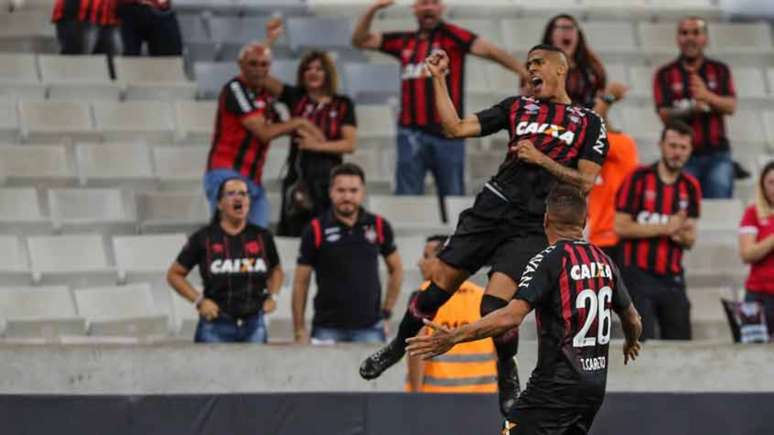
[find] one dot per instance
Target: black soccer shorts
(550, 421)
(494, 232)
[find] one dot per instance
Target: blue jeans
(715, 172)
(259, 203)
(226, 329)
(419, 152)
(325, 335)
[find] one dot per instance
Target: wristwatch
(609, 99)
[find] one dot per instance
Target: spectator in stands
(699, 91)
(756, 245)
(342, 247)
(421, 144)
(84, 26)
(244, 127)
(467, 368)
(306, 184)
(621, 160)
(656, 211)
(150, 21)
(240, 270)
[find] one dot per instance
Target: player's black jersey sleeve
(595, 145)
(496, 118)
(540, 276)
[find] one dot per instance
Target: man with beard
(550, 140)
(700, 92)
(422, 146)
(342, 247)
(656, 211)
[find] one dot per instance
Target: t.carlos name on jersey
(596, 363)
(557, 131)
(237, 265)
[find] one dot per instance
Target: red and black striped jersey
(99, 12)
(671, 89)
(565, 133)
(572, 285)
(234, 146)
(330, 117)
(417, 96)
(651, 201)
(584, 85)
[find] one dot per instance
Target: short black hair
(678, 127)
(566, 205)
(347, 168)
(546, 47)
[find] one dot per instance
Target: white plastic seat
(27, 32)
(146, 257)
(376, 124)
(154, 78)
(37, 165)
(135, 121)
(14, 263)
(20, 211)
(180, 167)
(212, 76)
(670, 9)
(641, 80)
(195, 121)
(56, 121)
(476, 76)
(184, 315)
(658, 37)
(487, 29)
(387, 25)
(39, 312)
(378, 175)
(172, 211)
(642, 122)
(522, 34)
(456, 205)
(9, 119)
(610, 36)
(19, 76)
(78, 77)
(121, 311)
(75, 260)
(745, 126)
(740, 37)
(105, 210)
(749, 82)
(119, 165)
(614, 9)
(721, 214)
(502, 82)
(409, 214)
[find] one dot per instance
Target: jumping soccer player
(571, 285)
(550, 140)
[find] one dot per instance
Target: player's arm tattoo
(583, 177)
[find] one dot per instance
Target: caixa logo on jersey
(556, 131)
(414, 71)
(237, 265)
(647, 217)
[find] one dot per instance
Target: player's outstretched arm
(454, 127)
(443, 339)
(632, 327)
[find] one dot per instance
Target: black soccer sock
(424, 305)
(506, 344)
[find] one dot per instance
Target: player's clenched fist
(527, 152)
(437, 63)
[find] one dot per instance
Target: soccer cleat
(508, 387)
(379, 361)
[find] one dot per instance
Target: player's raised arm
(454, 127)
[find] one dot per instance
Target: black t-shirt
(233, 268)
(572, 285)
(346, 265)
(565, 133)
(329, 117)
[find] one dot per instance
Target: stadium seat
(322, 33)
(115, 164)
(211, 76)
(376, 125)
(266, 7)
(184, 315)
(641, 81)
(74, 260)
(671, 9)
(19, 76)
(476, 76)
(721, 215)
(37, 165)
(288, 248)
(454, 206)
(14, 263)
(121, 311)
(614, 9)
(56, 121)
(275, 168)
(275, 207)
(154, 78)
(378, 175)
(180, 167)
(195, 121)
(409, 215)
(480, 166)
(617, 72)
(487, 29)
(768, 126)
(642, 123)
(749, 82)
(96, 210)
(502, 82)
(20, 212)
(146, 257)
(78, 78)
(610, 36)
(658, 37)
(522, 34)
(407, 24)
(135, 121)
(163, 212)
(746, 126)
(410, 249)
(197, 45)
(39, 312)
(27, 32)
(9, 119)
(740, 37)
(232, 33)
(372, 83)
(544, 9)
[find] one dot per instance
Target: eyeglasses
(235, 193)
(262, 64)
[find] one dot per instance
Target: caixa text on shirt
(237, 265)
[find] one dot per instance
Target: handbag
(298, 200)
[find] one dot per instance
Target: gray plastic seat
(52, 260)
(232, 33)
(522, 34)
(212, 76)
(372, 82)
(322, 33)
(21, 213)
(101, 210)
(37, 165)
(9, 119)
(376, 125)
(56, 121)
(610, 36)
(146, 257)
(172, 211)
(78, 77)
(27, 32)
(746, 126)
(14, 262)
(195, 121)
(154, 78)
(135, 121)
(741, 37)
(409, 215)
(658, 37)
(115, 165)
(749, 82)
(39, 312)
(19, 76)
(121, 311)
(180, 167)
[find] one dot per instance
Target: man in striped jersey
(656, 211)
(550, 140)
(572, 286)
